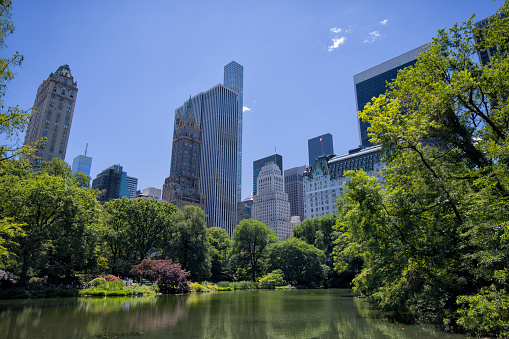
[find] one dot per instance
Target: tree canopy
(436, 227)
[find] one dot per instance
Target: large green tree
(436, 228)
(136, 229)
(59, 220)
(219, 245)
(187, 242)
(250, 246)
(301, 263)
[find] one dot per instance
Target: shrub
(197, 287)
(98, 281)
(111, 277)
(171, 278)
(273, 279)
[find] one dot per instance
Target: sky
(136, 62)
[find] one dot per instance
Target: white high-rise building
(270, 204)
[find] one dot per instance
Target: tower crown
(64, 70)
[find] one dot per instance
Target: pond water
(332, 313)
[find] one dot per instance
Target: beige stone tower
(52, 115)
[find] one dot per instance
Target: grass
(118, 288)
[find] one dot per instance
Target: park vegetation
(429, 241)
(432, 235)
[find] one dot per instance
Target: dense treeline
(62, 230)
(433, 235)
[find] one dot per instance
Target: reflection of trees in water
(104, 317)
(263, 314)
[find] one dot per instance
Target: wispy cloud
(336, 30)
(372, 37)
(336, 42)
(246, 109)
(384, 21)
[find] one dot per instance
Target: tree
(136, 228)
(300, 262)
(219, 244)
(59, 221)
(186, 242)
(250, 244)
(318, 232)
(436, 227)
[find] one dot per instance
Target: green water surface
(332, 313)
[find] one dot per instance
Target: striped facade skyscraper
(234, 80)
(217, 112)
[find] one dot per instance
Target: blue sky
(135, 62)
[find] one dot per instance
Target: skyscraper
(258, 164)
(82, 163)
(132, 186)
(113, 181)
(271, 205)
(234, 80)
(318, 146)
(182, 187)
(372, 82)
(52, 115)
(217, 113)
(294, 187)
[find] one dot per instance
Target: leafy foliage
(272, 279)
(250, 244)
(300, 262)
(170, 277)
(435, 229)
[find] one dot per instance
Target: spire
(188, 111)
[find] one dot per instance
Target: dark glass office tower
(258, 164)
(318, 146)
(372, 82)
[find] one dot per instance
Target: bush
(273, 279)
(111, 277)
(485, 314)
(98, 281)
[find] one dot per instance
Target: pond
(332, 313)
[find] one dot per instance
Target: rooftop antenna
(86, 147)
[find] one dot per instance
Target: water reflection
(241, 314)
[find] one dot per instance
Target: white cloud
(246, 109)
(384, 21)
(335, 30)
(336, 42)
(372, 36)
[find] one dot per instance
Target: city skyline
(296, 75)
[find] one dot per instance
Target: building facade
(217, 113)
(372, 83)
(82, 163)
(113, 181)
(234, 80)
(244, 209)
(258, 164)
(294, 187)
(182, 187)
(319, 146)
(52, 115)
(325, 180)
(132, 186)
(271, 205)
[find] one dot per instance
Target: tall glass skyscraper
(234, 80)
(318, 146)
(217, 112)
(82, 163)
(372, 82)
